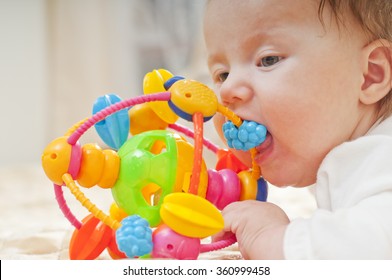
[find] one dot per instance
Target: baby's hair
(375, 18)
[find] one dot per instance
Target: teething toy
(247, 136)
(165, 197)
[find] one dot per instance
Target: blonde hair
(375, 18)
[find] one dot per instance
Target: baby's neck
(370, 118)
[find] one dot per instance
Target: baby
(318, 75)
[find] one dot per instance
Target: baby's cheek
(219, 120)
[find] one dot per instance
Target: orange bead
(151, 193)
(111, 168)
(248, 185)
(92, 164)
(56, 159)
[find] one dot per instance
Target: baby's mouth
(264, 147)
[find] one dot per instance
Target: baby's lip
(263, 147)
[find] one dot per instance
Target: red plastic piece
(113, 250)
(227, 160)
(88, 242)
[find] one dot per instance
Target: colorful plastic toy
(165, 198)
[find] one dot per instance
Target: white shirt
(354, 197)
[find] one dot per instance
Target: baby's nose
(235, 89)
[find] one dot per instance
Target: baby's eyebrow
(210, 60)
(213, 59)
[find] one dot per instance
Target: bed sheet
(33, 227)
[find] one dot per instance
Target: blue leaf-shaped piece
(114, 129)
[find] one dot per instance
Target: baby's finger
(223, 235)
(231, 216)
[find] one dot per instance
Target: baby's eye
(270, 60)
(223, 76)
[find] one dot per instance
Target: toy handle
(214, 246)
(64, 207)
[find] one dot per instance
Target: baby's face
(273, 62)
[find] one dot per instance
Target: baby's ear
(377, 71)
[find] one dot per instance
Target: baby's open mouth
(265, 145)
(264, 149)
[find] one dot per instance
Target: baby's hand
(258, 226)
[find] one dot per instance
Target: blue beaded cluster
(134, 237)
(249, 135)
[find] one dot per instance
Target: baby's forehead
(259, 16)
(247, 16)
(261, 12)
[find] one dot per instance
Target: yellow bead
(153, 83)
(143, 118)
(191, 96)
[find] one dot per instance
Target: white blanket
(33, 227)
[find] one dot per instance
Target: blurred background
(58, 56)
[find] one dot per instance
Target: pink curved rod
(180, 128)
(161, 96)
(74, 137)
(64, 207)
(218, 244)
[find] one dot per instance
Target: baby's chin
(284, 180)
(276, 176)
